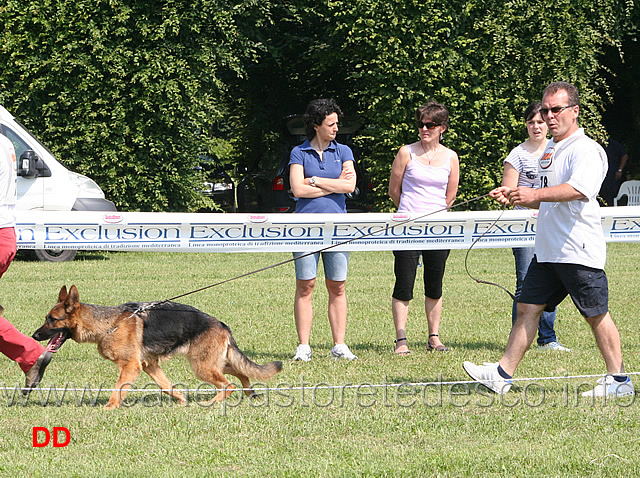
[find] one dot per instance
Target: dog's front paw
(111, 405)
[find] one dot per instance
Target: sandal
(405, 352)
(437, 348)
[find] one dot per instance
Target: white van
(44, 184)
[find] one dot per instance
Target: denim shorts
(335, 265)
(549, 283)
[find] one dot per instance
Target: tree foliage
(130, 91)
(485, 60)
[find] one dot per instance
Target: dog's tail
(245, 366)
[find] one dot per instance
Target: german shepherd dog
(138, 341)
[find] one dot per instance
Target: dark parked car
(264, 186)
(218, 185)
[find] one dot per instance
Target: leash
(151, 305)
(466, 267)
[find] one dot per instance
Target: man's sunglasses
(555, 110)
(428, 124)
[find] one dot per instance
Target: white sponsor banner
(182, 232)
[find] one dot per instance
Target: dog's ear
(71, 300)
(63, 294)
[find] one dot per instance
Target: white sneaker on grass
(607, 386)
(303, 352)
(554, 346)
(342, 351)
(488, 376)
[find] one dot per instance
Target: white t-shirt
(527, 166)
(7, 182)
(571, 232)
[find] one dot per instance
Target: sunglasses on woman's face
(428, 124)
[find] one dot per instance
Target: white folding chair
(631, 189)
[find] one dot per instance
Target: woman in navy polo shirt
(321, 172)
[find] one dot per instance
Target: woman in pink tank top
(424, 178)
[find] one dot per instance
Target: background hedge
(132, 93)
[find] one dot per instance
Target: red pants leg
(7, 248)
(13, 344)
(17, 346)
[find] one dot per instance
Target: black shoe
(35, 373)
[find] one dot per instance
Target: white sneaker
(303, 352)
(554, 346)
(342, 351)
(488, 376)
(608, 386)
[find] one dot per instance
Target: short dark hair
(572, 91)
(317, 111)
(532, 110)
(434, 111)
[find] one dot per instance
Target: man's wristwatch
(312, 181)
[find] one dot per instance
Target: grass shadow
(453, 345)
(82, 256)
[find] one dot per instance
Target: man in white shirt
(28, 353)
(570, 246)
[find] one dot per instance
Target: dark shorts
(405, 267)
(549, 283)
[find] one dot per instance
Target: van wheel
(55, 255)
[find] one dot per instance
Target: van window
(19, 145)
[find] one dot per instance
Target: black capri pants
(405, 267)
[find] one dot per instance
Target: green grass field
(357, 428)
